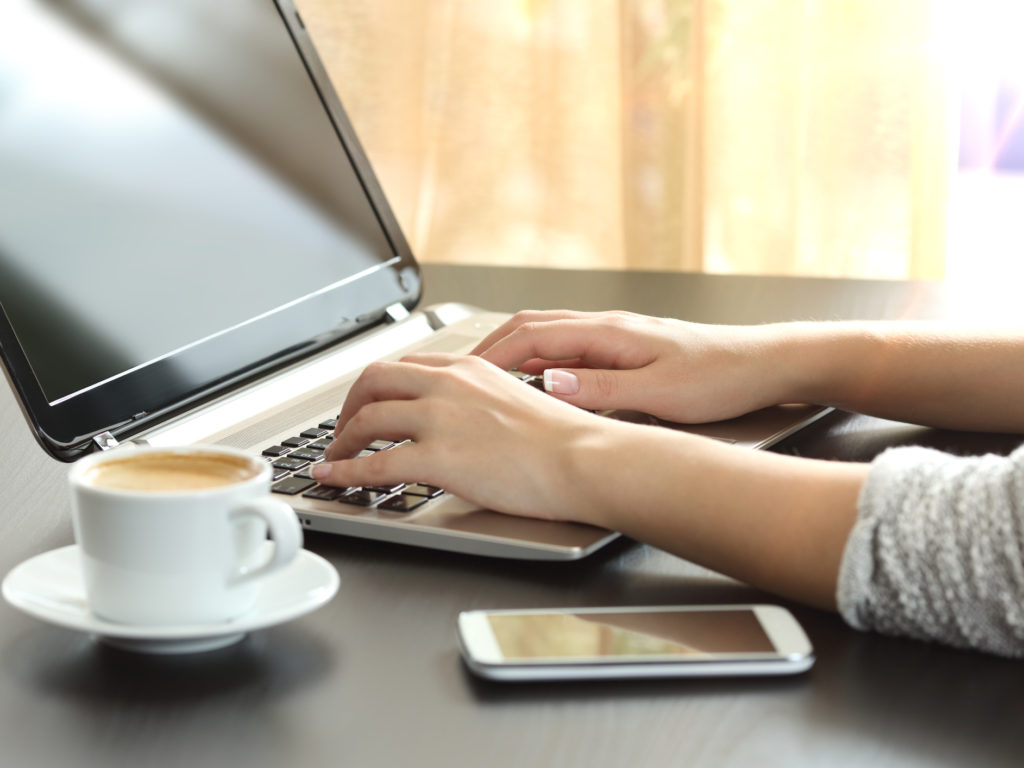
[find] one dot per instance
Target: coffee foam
(170, 471)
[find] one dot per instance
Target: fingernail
(321, 471)
(561, 382)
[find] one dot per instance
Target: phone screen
(692, 634)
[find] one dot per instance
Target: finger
(598, 389)
(394, 420)
(382, 381)
(432, 359)
(396, 465)
(595, 343)
(538, 366)
(519, 319)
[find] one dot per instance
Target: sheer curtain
(768, 136)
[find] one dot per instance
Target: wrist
(815, 362)
(597, 465)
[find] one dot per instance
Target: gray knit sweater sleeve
(937, 552)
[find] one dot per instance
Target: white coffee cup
(177, 536)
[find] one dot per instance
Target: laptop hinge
(105, 441)
(396, 313)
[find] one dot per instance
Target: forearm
(917, 372)
(772, 521)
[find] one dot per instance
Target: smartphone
(635, 642)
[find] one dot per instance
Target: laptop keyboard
(293, 458)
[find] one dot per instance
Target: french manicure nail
(558, 381)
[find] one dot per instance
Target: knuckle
(529, 334)
(374, 468)
(359, 418)
(363, 418)
(621, 319)
(605, 384)
(436, 376)
(525, 316)
(474, 364)
(374, 370)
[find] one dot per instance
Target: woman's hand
(473, 429)
(775, 521)
(678, 371)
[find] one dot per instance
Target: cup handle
(284, 529)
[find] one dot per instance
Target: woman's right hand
(671, 369)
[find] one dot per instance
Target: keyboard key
(328, 424)
(380, 445)
(387, 488)
(277, 474)
(320, 445)
(528, 378)
(537, 382)
(305, 454)
(325, 493)
(363, 497)
(290, 464)
(275, 450)
(402, 503)
(295, 442)
(422, 489)
(314, 433)
(292, 485)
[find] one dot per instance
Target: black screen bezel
(133, 402)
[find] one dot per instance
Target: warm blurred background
(806, 137)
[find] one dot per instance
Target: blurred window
(764, 136)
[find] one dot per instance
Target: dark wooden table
(374, 678)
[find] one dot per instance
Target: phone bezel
(794, 653)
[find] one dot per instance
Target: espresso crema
(160, 471)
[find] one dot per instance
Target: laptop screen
(177, 206)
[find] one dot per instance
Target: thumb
(591, 388)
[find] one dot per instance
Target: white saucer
(49, 587)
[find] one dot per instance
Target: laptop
(194, 248)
